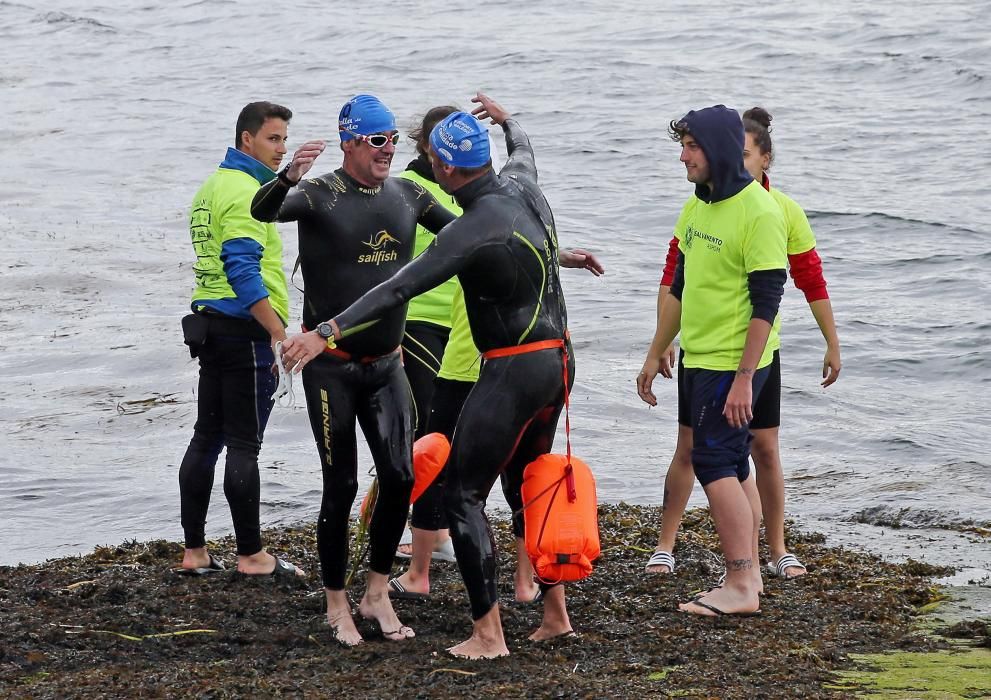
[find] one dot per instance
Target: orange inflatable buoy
(430, 454)
(560, 518)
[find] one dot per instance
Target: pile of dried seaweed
(118, 622)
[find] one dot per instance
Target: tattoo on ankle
(739, 564)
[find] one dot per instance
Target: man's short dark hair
(253, 116)
(476, 170)
(677, 129)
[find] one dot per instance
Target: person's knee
(248, 446)
(764, 451)
(396, 479)
(682, 459)
(339, 491)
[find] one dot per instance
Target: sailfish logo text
(378, 243)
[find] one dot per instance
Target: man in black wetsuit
(504, 250)
(356, 229)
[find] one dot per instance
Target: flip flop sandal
(406, 539)
(397, 591)
(660, 559)
(445, 552)
(720, 613)
(785, 562)
(213, 567)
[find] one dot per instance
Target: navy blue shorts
(767, 407)
(719, 450)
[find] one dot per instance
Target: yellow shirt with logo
(722, 243)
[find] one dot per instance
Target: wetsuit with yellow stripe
(504, 251)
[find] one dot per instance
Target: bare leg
(771, 484)
(678, 483)
(524, 585)
(339, 618)
(486, 641)
(416, 579)
(734, 518)
(555, 622)
(376, 605)
(753, 498)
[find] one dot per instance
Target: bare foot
(406, 549)
(378, 607)
(343, 629)
(476, 648)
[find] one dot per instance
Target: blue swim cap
(461, 140)
(365, 114)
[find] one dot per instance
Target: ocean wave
(58, 18)
(885, 216)
(916, 518)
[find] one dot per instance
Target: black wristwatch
(283, 176)
(325, 330)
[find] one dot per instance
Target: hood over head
(719, 132)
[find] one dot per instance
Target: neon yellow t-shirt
(800, 236)
(433, 306)
(222, 212)
(461, 360)
(723, 242)
(800, 240)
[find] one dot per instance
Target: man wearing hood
(724, 301)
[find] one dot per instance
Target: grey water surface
(114, 113)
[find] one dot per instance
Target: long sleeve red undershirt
(805, 268)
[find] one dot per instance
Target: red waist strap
(522, 349)
(348, 357)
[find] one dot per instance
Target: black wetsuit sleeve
(766, 288)
(273, 202)
(442, 259)
(520, 160)
(434, 217)
(678, 284)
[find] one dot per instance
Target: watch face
(324, 330)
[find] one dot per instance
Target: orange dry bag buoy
(430, 454)
(560, 518)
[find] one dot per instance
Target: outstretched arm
(444, 258)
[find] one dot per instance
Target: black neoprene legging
(498, 431)
(377, 394)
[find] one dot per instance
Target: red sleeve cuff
(806, 270)
(670, 263)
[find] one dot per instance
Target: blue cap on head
(461, 140)
(365, 114)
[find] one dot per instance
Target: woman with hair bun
(805, 267)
